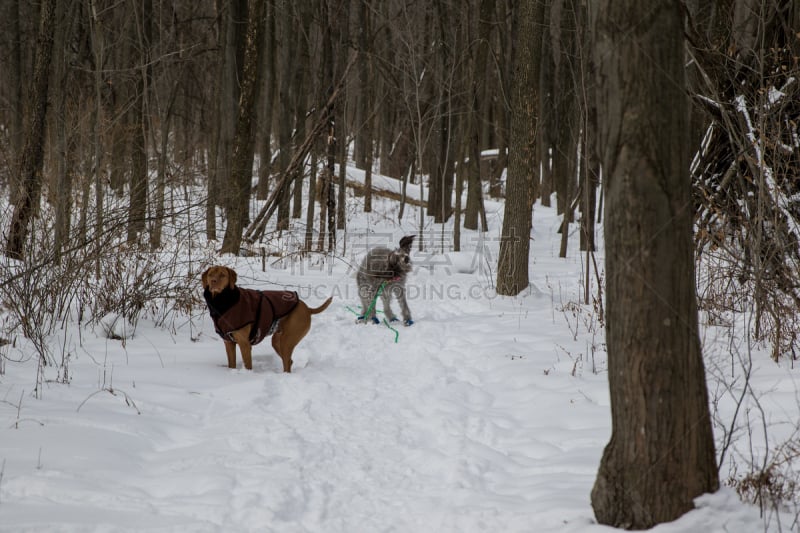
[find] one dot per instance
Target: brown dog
(244, 317)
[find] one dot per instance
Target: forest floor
(488, 414)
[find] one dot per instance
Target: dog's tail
(322, 307)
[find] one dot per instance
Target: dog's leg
(367, 294)
(230, 351)
(291, 330)
(284, 344)
(247, 354)
(401, 297)
(277, 344)
(277, 337)
(386, 298)
(242, 339)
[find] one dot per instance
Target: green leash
(374, 300)
(372, 306)
(396, 333)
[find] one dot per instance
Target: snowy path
(454, 428)
(485, 416)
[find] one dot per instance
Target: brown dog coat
(232, 309)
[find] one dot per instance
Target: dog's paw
(408, 322)
(375, 320)
(395, 319)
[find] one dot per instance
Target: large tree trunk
(661, 453)
(512, 268)
(242, 156)
(30, 166)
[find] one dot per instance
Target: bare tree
(242, 157)
(328, 197)
(512, 268)
(137, 209)
(365, 112)
(30, 164)
(661, 453)
(268, 102)
(232, 22)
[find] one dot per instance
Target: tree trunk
(565, 92)
(137, 210)
(242, 156)
(268, 104)
(341, 148)
(286, 96)
(157, 225)
(30, 166)
(591, 163)
(99, 57)
(546, 118)
(341, 36)
(368, 107)
(363, 130)
(312, 194)
(300, 102)
(232, 36)
(63, 187)
(661, 453)
(16, 77)
(512, 267)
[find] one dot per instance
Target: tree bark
(267, 104)
(242, 157)
(565, 95)
(137, 210)
(546, 114)
(300, 102)
(16, 77)
(62, 191)
(98, 49)
(312, 195)
(30, 166)
(363, 121)
(661, 453)
(512, 267)
(232, 36)
(287, 98)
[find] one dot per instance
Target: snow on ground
(488, 414)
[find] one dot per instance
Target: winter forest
(605, 202)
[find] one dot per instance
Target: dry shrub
(746, 191)
(776, 486)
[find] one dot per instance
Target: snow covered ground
(488, 414)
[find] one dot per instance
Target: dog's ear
(204, 279)
(231, 278)
(406, 242)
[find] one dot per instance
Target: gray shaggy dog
(388, 268)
